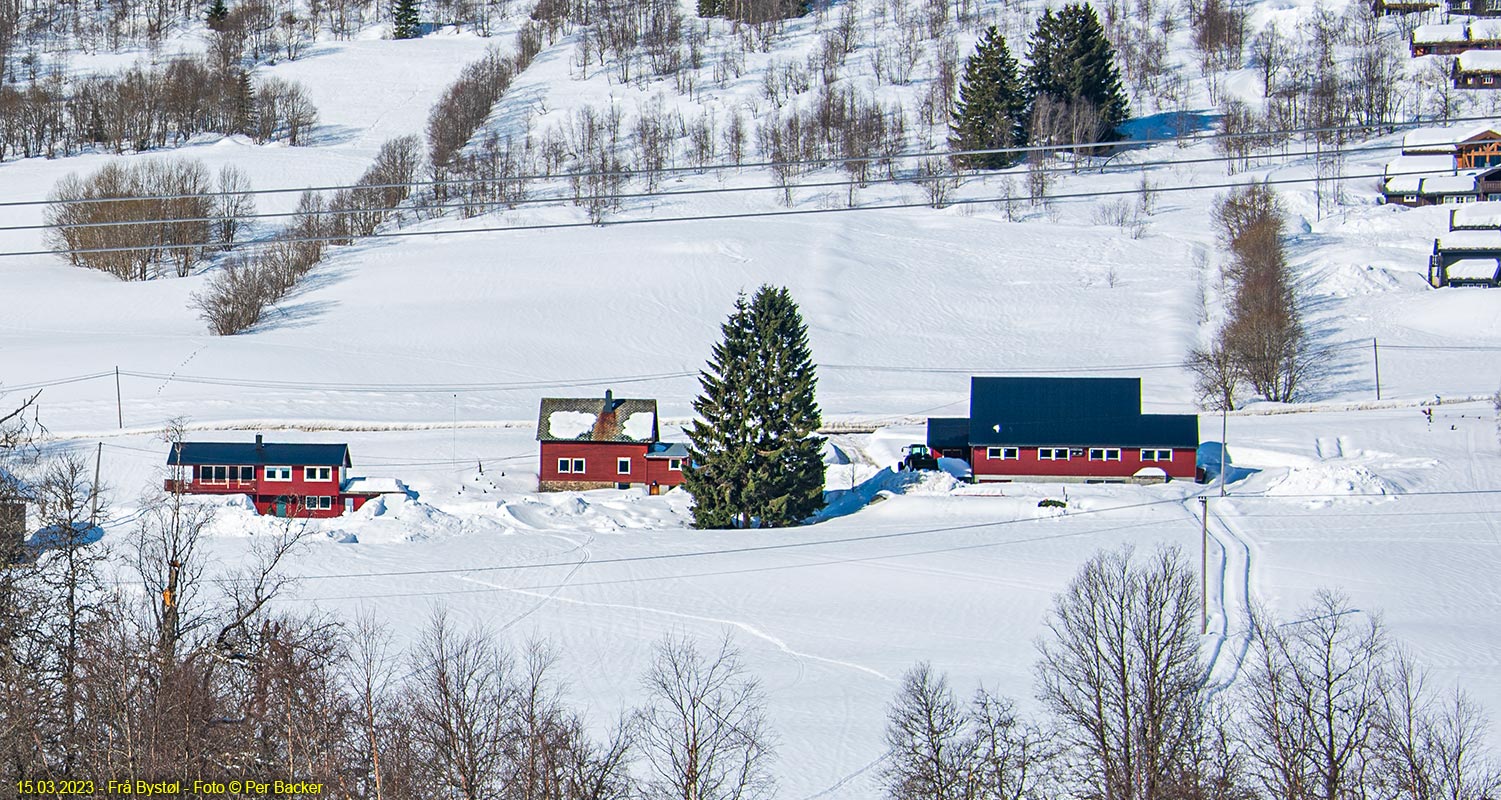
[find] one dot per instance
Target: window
(1488, 80)
(573, 465)
(278, 473)
(675, 464)
(1052, 454)
(1104, 454)
(317, 473)
(1409, 198)
(318, 503)
(578, 465)
(563, 465)
(208, 474)
(623, 466)
(1156, 455)
(1003, 453)
(244, 474)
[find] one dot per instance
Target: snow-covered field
(429, 354)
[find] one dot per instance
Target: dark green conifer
(992, 108)
(755, 458)
(1072, 61)
(404, 18)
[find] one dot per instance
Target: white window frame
(318, 503)
(578, 466)
(1158, 454)
(1003, 453)
(674, 465)
(1104, 453)
(1051, 453)
(622, 465)
(206, 475)
(317, 474)
(279, 474)
(565, 466)
(1409, 198)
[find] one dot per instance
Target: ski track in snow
(752, 630)
(1233, 594)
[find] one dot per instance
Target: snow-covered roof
(1405, 184)
(1473, 269)
(597, 419)
(1450, 184)
(1420, 165)
(1476, 215)
(1432, 34)
(1480, 61)
(1469, 240)
(374, 486)
(1429, 140)
(1485, 30)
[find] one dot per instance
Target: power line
(709, 217)
(465, 205)
(1016, 150)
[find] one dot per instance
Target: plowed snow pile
(1333, 479)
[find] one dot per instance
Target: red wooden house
(284, 479)
(1069, 429)
(599, 443)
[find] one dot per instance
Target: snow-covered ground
(429, 354)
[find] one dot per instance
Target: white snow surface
(428, 355)
(570, 424)
(639, 425)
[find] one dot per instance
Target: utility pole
(1224, 451)
(119, 410)
(1204, 564)
(94, 494)
(1376, 359)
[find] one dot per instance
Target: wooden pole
(94, 494)
(1376, 359)
(1204, 563)
(119, 410)
(1224, 452)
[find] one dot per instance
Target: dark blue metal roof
(1078, 412)
(948, 433)
(257, 453)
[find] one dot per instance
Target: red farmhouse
(1067, 429)
(598, 443)
(288, 480)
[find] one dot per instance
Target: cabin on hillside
(1476, 147)
(1383, 7)
(1071, 429)
(1477, 69)
(1475, 8)
(1440, 40)
(604, 442)
(1466, 258)
(281, 478)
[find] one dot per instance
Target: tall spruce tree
(216, 15)
(992, 108)
(1073, 61)
(405, 23)
(755, 460)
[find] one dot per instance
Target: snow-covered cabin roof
(1485, 30)
(1444, 140)
(597, 419)
(1405, 184)
(374, 486)
(1469, 240)
(1473, 269)
(1433, 34)
(1480, 61)
(1420, 165)
(1476, 216)
(1463, 183)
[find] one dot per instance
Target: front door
(281, 506)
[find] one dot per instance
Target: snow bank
(1321, 482)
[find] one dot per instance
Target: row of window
(225, 474)
(576, 466)
(1064, 454)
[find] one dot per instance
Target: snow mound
(1325, 483)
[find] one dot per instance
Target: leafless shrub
(938, 180)
(135, 235)
(235, 297)
(233, 205)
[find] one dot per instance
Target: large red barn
(600, 443)
(1067, 429)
